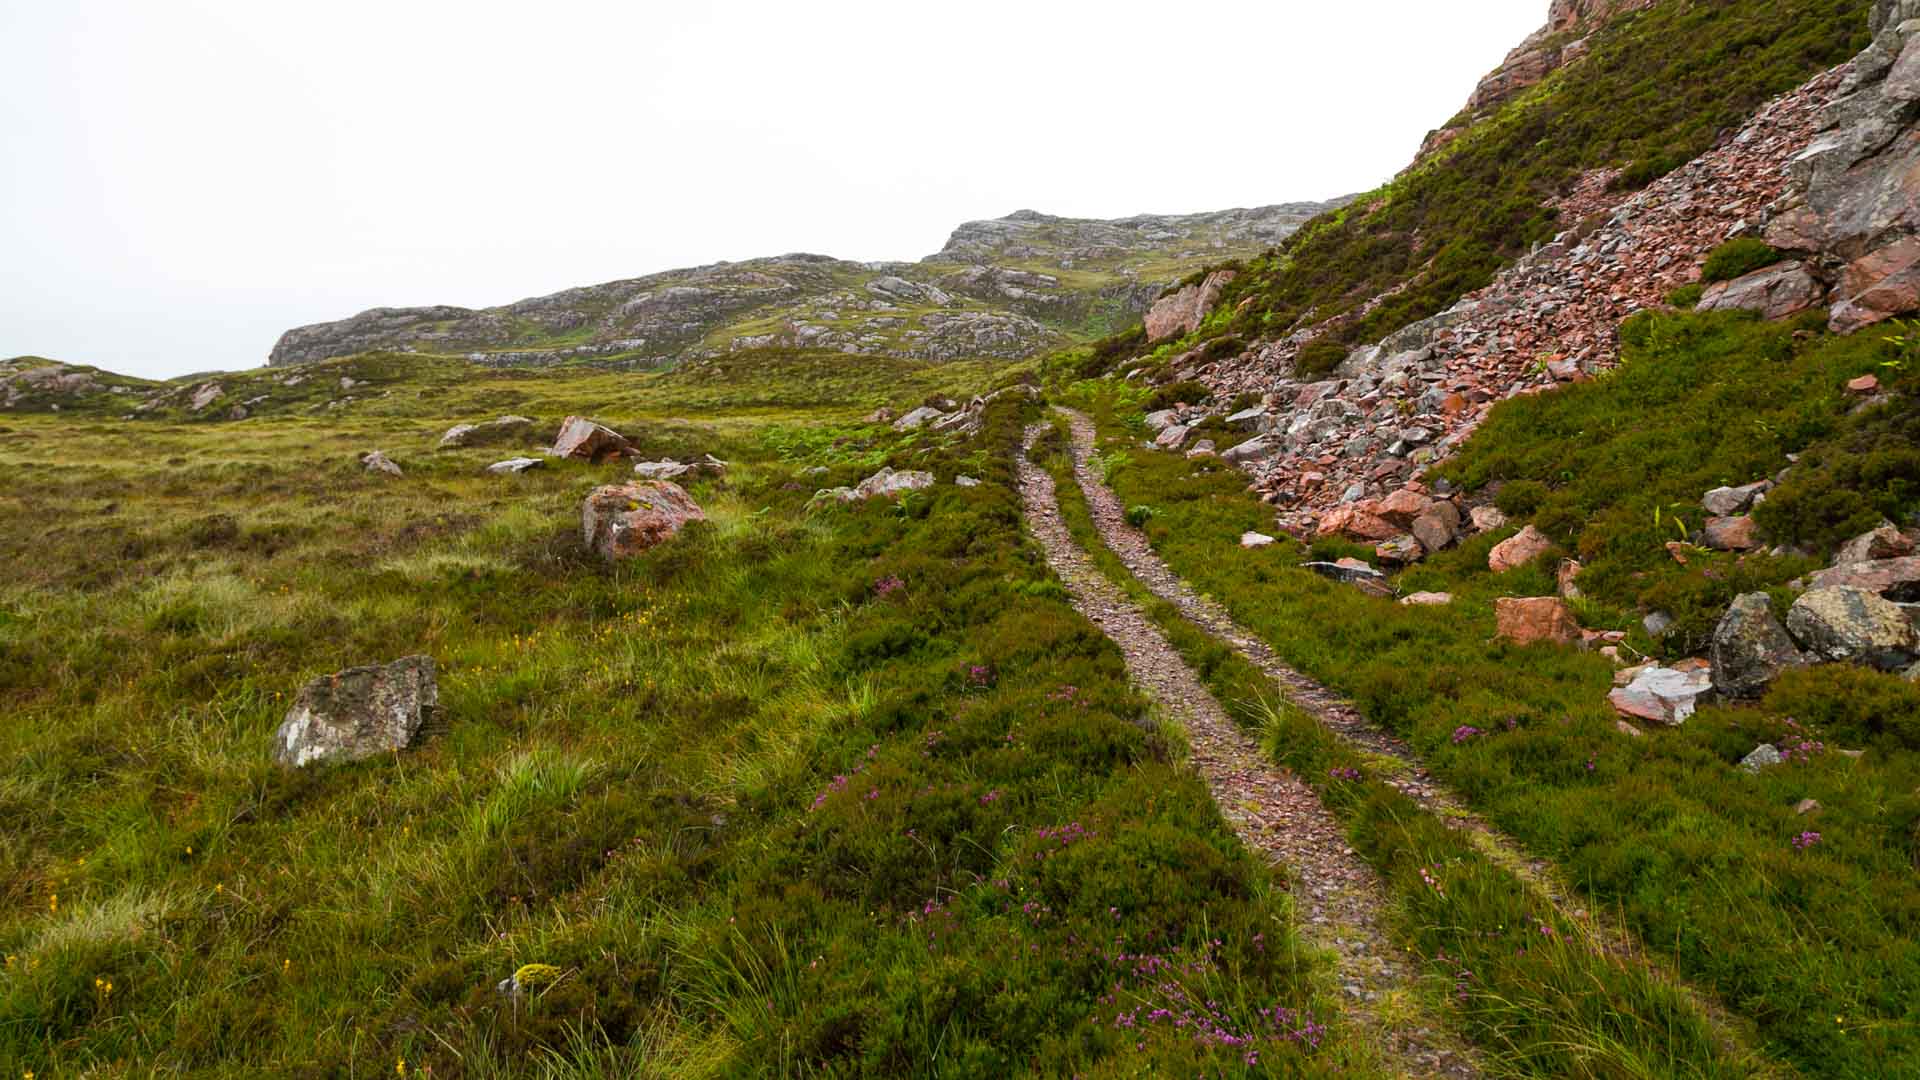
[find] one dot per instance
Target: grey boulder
(1750, 648)
(358, 713)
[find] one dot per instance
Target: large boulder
(358, 713)
(619, 521)
(1751, 648)
(1526, 620)
(1844, 623)
(1181, 312)
(1663, 695)
(1894, 579)
(1518, 550)
(1403, 507)
(1775, 292)
(584, 439)
(505, 429)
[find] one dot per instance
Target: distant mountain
(1009, 287)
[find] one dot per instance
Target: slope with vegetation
(1008, 288)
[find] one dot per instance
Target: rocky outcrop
(1182, 311)
(1854, 203)
(1396, 407)
(620, 521)
(358, 713)
(980, 296)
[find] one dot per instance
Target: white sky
(183, 180)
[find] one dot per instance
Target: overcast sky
(184, 180)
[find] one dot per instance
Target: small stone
(1663, 695)
(1728, 501)
(1865, 384)
(1731, 534)
(965, 481)
(1564, 578)
(1532, 619)
(1255, 540)
(1764, 756)
(1807, 806)
(1399, 551)
(515, 466)
(1428, 599)
(376, 461)
(1625, 728)
(1518, 550)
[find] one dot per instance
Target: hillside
(1006, 288)
(1476, 635)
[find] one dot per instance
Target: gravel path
(1411, 777)
(1340, 902)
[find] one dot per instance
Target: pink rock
(620, 521)
(1355, 524)
(1564, 578)
(1897, 579)
(1403, 506)
(582, 438)
(1518, 550)
(1732, 534)
(1865, 384)
(1531, 619)
(1182, 312)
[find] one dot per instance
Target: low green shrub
(1738, 258)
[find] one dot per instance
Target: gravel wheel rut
(1407, 773)
(1341, 903)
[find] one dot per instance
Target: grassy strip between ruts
(1813, 940)
(1539, 996)
(844, 791)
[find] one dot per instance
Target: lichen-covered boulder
(358, 713)
(1751, 648)
(620, 521)
(1846, 624)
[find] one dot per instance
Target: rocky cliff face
(1003, 288)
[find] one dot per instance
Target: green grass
(842, 792)
(1531, 988)
(1815, 947)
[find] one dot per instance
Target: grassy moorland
(1813, 942)
(831, 792)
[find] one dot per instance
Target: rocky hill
(1005, 288)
